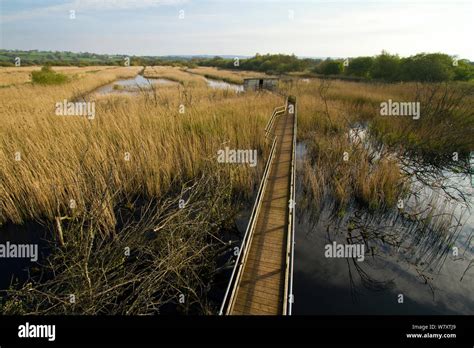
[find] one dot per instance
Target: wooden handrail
(276, 112)
(229, 296)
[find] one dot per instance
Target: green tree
(329, 67)
(386, 67)
(464, 71)
(433, 67)
(360, 66)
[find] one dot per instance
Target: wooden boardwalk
(262, 286)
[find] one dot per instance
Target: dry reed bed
(18, 75)
(21, 100)
(338, 164)
(173, 155)
(372, 175)
(68, 158)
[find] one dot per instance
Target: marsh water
(135, 85)
(16, 270)
(224, 85)
(132, 85)
(430, 263)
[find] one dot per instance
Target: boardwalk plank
(261, 287)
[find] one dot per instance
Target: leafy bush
(360, 66)
(464, 71)
(386, 67)
(329, 67)
(46, 76)
(435, 67)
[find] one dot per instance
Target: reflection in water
(132, 86)
(224, 85)
(409, 252)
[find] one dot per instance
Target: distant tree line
(387, 67)
(268, 63)
(428, 67)
(34, 57)
(432, 67)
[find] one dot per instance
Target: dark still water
(31, 238)
(428, 266)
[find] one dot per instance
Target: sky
(310, 28)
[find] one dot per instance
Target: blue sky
(339, 28)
